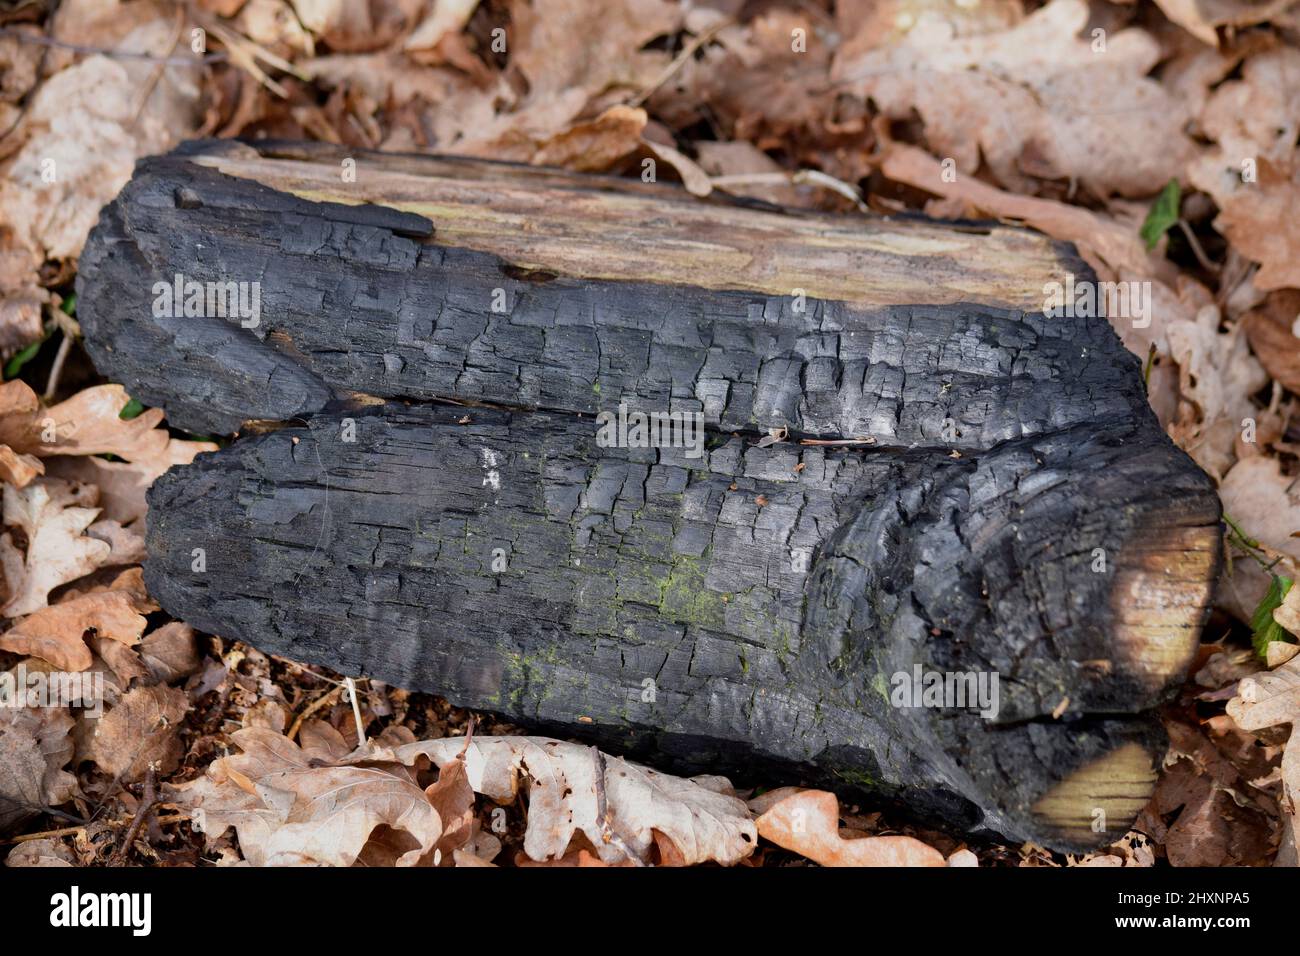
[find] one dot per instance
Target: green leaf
(1264, 629)
(69, 305)
(1163, 214)
(130, 410)
(19, 359)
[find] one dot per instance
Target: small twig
(51, 811)
(30, 96)
(56, 370)
(322, 701)
(160, 724)
(814, 177)
(837, 441)
(1197, 251)
(44, 834)
(688, 51)
(156, 74)
(163, 819)
(148, 798)
(1252, 547)
(351, 687)
(71, 330)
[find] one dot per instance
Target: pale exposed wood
(605, 228)
(1089, 801)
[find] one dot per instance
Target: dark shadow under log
(1018, 513)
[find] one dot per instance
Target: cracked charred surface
(1020, 513)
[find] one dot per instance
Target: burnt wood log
(1006, 504)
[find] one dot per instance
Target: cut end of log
(1109, 790)
(1162, 590)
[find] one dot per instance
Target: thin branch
(1197, 251)
(688, 51)
(148, 798)
(323, 701)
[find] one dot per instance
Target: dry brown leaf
(596, 145)
(760, 804)
(808, 823)
(560, 780)
(34, 748)
(453, 798)
(19, 470)
(1287, 614)
(1262, 220)
(88, 423)
(290, 809)
(1272, 337)
(1108, 247)
(1037, 100)
(1202, 18)
(83, 132)
(58, 551)
(1279, 652)
(1217, 376)
(1255, 121)
(17, 403)
(445, 17)
(171, 652)
(347, 25)
(587, 47)
(744, 160)
(1267, 700)
(695, 180)
(121, 659)
(1218, 818)
(46, 852)
(579, 858)
(463, 858)
(273, 25)
(1264, 502)
(126, 544)
(142, 729)
(56, 633)
(123, 485)
(868, 24)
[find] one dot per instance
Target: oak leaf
(807, 823)
(34, 748)
(56, 633)
(58, 550)
(290, 808)
(140, 730)
(561, 781)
